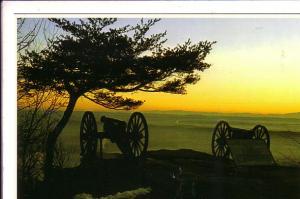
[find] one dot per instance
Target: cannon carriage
(131, 138)
(223, 132)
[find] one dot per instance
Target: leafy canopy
(96, 59)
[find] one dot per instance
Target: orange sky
(260, 85)
(255, 67)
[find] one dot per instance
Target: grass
(177, 130)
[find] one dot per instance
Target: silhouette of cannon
(223, 132)
(131, 138)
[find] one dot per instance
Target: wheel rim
(137, 130)
(221, 133)
(88, 131)
(261, 133)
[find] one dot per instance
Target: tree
(96, 59)
(37, 115)
(26, 39)
(33, 33)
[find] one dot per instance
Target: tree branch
(111, 101)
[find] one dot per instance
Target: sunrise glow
(255, 67)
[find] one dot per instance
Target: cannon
(223, 132)
(131, 138)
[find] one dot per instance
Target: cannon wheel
(88, 133)
(137, 130)
(261, 133)
(219, 145)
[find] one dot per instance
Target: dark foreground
(175, 174)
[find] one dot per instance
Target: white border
(9, 103)
(167, 7)
(12, 9)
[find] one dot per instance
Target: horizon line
(212, 112)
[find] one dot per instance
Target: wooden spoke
(88, 131)
(261, 133)
(137, 131)
(221, 133)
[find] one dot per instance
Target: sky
(255, 66)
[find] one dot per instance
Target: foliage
(37, 113)
(34, 34)
(61, 155)
(37, 116)
(26, 38)
(96, 59)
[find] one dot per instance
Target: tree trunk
(53, 136)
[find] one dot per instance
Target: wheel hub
(221, 141)
(136, 136)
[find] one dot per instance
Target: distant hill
(182, 112)
(294, 115)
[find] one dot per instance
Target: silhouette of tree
(96, 59)
(26, 39)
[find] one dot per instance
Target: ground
(176, 174)
(188, 130)
(185, 168)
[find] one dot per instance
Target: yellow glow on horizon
(265, 79)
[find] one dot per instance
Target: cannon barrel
(238, 133)
(113, 128)
(106, 120)
(131, 137)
